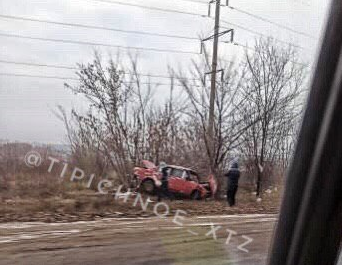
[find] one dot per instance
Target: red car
(182, 181)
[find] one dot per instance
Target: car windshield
(97, 96)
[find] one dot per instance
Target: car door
(175, 180)
(189, 184)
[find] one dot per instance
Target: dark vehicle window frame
(309, 225)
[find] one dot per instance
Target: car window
(177, 172)
(186, 175)
(193, 177)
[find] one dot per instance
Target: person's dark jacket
(165, 179)
(165, 175)
(233, 175)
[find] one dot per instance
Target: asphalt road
(239, 239)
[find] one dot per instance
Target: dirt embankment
(87, 205)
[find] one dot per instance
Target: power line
(102, 44)
(76, 68)
(39, 76)
(97, 44)
(77, 79)
(262, 35)
(187, 13)
(96, 27)
(39, 65)
(272, 22)
(193, 14)
(149, 7)
(240, 10)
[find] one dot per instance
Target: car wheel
(195, 195)
(148, 186)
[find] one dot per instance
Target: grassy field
(39, 198)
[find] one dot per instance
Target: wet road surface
(235, 239)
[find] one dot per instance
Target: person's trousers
(231, 193)
(163, 191)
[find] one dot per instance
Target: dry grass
(35, 197)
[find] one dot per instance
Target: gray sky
(26, 103)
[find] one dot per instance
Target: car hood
(149, 164)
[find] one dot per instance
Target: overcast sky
(26, 103)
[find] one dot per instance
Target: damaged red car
(182, 181)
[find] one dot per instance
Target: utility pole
(213, 72)
(213, 84)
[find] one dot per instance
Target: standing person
(163, 190)
(233, 176)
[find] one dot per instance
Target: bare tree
(229, 124)
(123, 124)
(255, 111)
(271, 87)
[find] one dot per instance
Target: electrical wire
(262, 35)
(96, 27)
(151, 33)
(77, 79)
(76, 68)
(272, 22)
(187, 13)
(261, 18)
(149, 7)
(97, 44)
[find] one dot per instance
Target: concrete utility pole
(213, 82)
